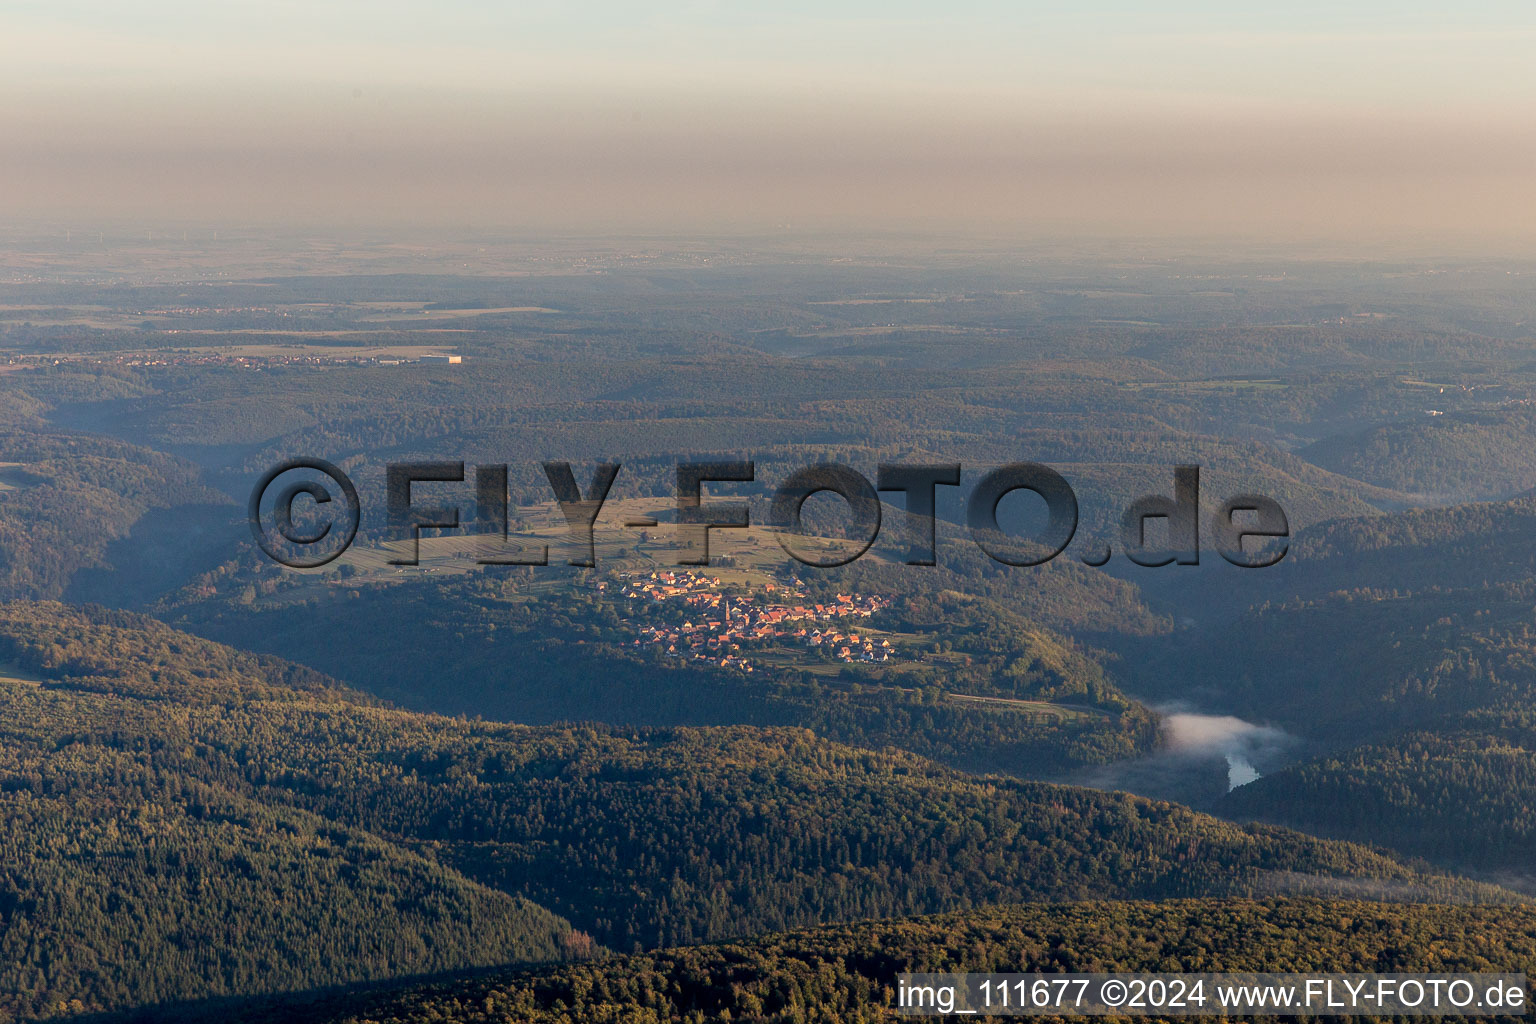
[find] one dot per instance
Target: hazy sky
(1274, 120)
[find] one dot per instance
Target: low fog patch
(1242, 745)
(1199, 760)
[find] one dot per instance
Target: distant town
(273, 356)
(711, 624)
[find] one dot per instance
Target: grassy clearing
(13, 673)
(750, 557)
(1256, 384)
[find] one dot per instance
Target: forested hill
(193, 828)
(132, 655)
(65, 497)
(1486, 453)
(540, 655)
(1388, 622)
(128, 876)
(842, 975)
(1405, 647)
(1458, 546)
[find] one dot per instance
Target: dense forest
(65, 497)
(847, 974)
(1414, 632)
(149, 769)
(1466, 455)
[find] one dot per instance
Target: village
(250, 357)
(716, 626)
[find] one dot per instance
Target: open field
(307, 318)
(882, 302)
(1063, 712)
(258, 350)
(747, 556)
(418, 311)
(12, 673)
(12, 478)
(1207, 385)
(268, 350)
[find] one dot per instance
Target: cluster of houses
(718, 626)
(207, 357)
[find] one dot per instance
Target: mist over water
(1202, 757)
(1240, 744)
